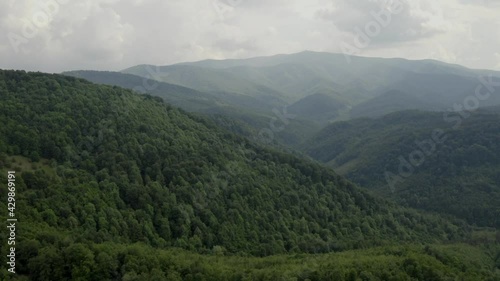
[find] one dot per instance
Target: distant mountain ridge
(186, 98)
(285, 79)
(317, 88)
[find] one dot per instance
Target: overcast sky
(58, 35)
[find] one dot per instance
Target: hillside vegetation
(238, 113)
(110, 168)
(458, 175)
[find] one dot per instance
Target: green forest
(114, 185)
(458, 176)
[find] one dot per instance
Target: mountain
(285, 79)
(102, 175)
(219, 82)
(237, 113)
(315, 88)
(186, 98)
(318, 107)
(441, 162)
(388, 102)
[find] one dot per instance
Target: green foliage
(458, 177)
(122, 168)
(237, 113)
(111, 261)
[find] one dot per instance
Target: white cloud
(115, 34)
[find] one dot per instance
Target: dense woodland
(112, 185)
(459, 176)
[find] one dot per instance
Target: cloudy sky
(58, 35)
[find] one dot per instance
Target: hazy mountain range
(316, 88)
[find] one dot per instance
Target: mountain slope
(317, 88)
(186, 98)
(106, 159)
(318, 107)
(217, 82)
(295, 76)
(388, 102)
(110, 184)
(458, 176)
(234, 112)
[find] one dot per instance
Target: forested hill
(458, 176)
(185, 98)
(97, 164)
